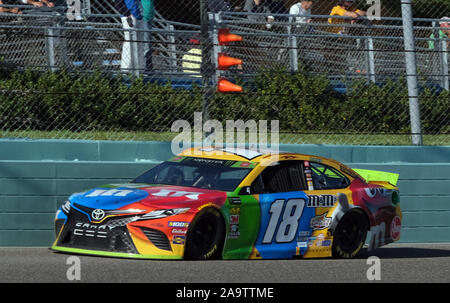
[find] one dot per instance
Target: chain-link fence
(109, 71)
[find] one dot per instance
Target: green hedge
(84, 102)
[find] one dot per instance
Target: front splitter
(79, 251)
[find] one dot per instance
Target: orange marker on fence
(225, 86)
(226, 37)
(225, 62)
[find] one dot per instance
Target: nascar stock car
(234, 204)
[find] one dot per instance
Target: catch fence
(323, 87)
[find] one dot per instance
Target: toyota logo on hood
(98, 214)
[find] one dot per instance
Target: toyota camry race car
(234, 204)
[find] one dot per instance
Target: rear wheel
(206, 236)
(350, 235)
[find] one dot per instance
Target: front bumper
(120, 236)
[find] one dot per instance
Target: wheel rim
(351, 234)
(203, 234)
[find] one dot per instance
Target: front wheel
(206, 236)
(350, 235)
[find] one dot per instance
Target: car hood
(111, 197)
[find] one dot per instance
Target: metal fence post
(215, 20)
(370, 60)
(50, 43)
(134, 52)
(293, 52)
(411, 72)
(207, 70)
(172, 47)
(444, 64)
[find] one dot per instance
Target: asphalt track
(398, 263)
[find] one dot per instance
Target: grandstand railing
(373, 50)
(45, 38)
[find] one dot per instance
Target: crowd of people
(16, 10)
(301, 10)
(139, 14)
(266, 11)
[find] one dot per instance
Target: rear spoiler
(376, 175)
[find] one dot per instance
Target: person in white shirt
(302, 10)
(300, 19)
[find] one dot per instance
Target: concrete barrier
(37, 176)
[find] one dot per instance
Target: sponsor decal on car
(244, 164)
(302, 244)
(373, 191)
(179, 240)
(177, 193)
(109, 193)
(326, 243)
(234, 219)
(320, 222)
(235, 211)
(98, 214)
(234, 231)
(178, 224)
(396, 226)
(321, 200)
(377, 238)
(179, 231)
(235, 200)
(90, 230)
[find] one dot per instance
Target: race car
(231, 203)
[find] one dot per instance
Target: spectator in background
(137, 14)
(434, 61)
(216, 6)
(302, 20)
(13, 10)
(39, 3)
(345, 8)
(444, 33)
(302, 10)
(258, 6)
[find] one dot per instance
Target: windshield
(198, 172)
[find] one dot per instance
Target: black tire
(350, 235)
(205, 236)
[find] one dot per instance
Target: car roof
(251, 155)
(245, 154)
